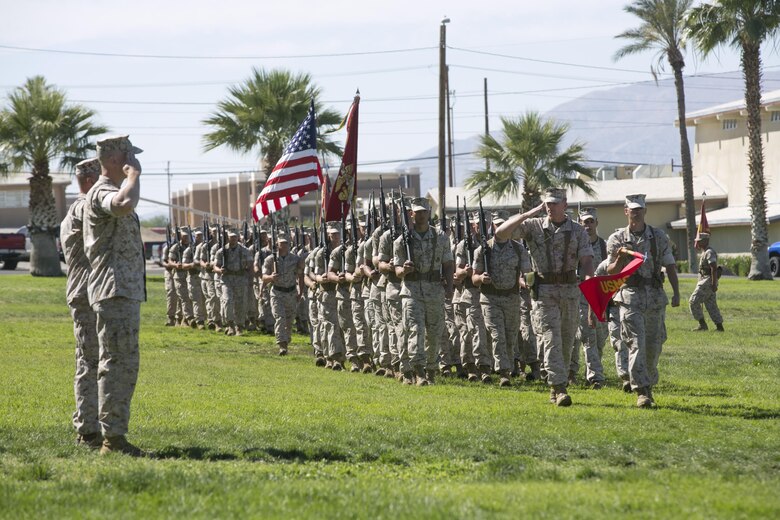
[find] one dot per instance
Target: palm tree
(530, 155)
(662, 31)
(744, 25)
(263, 113)
(36, 127)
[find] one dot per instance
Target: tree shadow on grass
(726, 410)
(258, 454)
(192, 453)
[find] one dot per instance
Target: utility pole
(449, 133)
(170, 202)
(487, 126)
(442, 95)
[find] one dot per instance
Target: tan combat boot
(643, 399)
(472, 374)
(561, 397)
(419, 373)
(484, 374)
(505, 380)
(719, 327)
(92, 441)
(320, 361)
(430, 376)
(408, 378)
(120, 445)
(702, 326)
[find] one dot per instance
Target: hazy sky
(161, 101)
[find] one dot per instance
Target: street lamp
(442, 111)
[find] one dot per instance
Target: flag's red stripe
(294, 162)
(284, 177)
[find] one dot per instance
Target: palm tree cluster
(37, 127)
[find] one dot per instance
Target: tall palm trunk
(751, 67)
(43, 225)
(676, 61)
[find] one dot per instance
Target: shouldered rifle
(407, 237)
(206, 238)
(458, 222)
(246, 232)
(274, 251)
(354, 229)
(168, 240)
(382, 205)
(393, 217)
(221, 241)
(315, 234)
(343, 239)
(468, 236)
(486, 253)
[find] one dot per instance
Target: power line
(192, 57)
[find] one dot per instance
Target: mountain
(625, 124)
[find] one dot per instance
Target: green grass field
(236, 431)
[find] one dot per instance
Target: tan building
(15, 198)
(233, 197)
(720, 151)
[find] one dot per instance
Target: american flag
(297, 173)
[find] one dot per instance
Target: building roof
(658, 189)
(151, 235)
(732, 216)
(769, 101)
(23, 179)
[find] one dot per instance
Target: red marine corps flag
(345, 185)
(297, 173)
(704, 226)
(598, 290)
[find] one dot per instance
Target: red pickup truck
(12, 247)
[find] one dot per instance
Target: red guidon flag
(346, 182)
(704, 226)
(297, 173)
(600, 289)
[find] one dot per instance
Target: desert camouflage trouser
(361, 329)
(466, 338)
(198, 300)
(450, 339)
(502, 320)
(556, 318)
(283, 306)
(183, 294)
(618, 345)
(85, 383)
(264, 314)
(643, 328)
(332, 338)
(173, 305)
(703, 294)
(118, 322)
(526, 341)
(424, 320)
(347, 323)
(592, 341)
(252, 312)
(475, 323)
(233, 299)
(314, 323)
(212, 300)
(379, 327)
(394, 319)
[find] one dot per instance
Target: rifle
(168, 240)
(206, 236)
(273, 246)
(458, 221)
(468, 236)
(343, 239)
(354, 229)
(407, 237)
(316, 236)
(486, 253)
(221, 241)
(393, 217)
(298, 236)
(246, 232)
(382, 205)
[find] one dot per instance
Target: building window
(729, 124)
(775, 117)
(14, 199)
